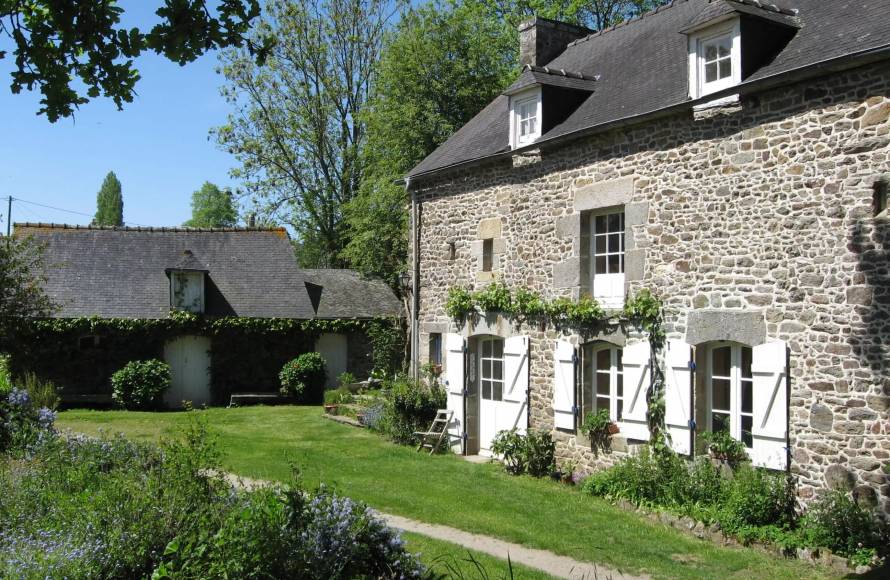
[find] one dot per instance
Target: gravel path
(554, 564)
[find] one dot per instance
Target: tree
(440, 66)
(438, 69)
(212, 207)
(109, 203)
(21, 286)
(296, 130)
(76, 50)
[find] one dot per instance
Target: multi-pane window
(718, 62)
(607, 257)
(731, 390)
(608, 243)
(717, 57)
(527, 119)
(491, 369)
(603, 381)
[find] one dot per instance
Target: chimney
(541, 40)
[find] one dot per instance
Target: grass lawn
(262, 442)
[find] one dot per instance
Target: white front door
(333, 349)
(189, 360)
(491, 389)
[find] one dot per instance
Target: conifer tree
(109, 203)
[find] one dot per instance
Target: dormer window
(715, 60)
(187, 291)
(525, 121)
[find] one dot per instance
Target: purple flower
(46, 417)
(18, 398)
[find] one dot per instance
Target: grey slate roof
(346, 294)
(641, 66)
(251, 272)
(555, 78)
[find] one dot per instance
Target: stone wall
(765, 210)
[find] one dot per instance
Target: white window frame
(516, 102)
(697, 86)
(615, 297)
(736, 381)
(615, 373)
(486, 368)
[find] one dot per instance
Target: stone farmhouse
(731, 156)
(117, 287)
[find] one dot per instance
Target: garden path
(553, 564)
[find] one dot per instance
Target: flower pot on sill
(613, 429)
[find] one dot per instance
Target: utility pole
(9, 217)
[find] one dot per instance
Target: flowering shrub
(304, 377)
(341, 538)
(23, 426)
(111, 508)
(140, 384)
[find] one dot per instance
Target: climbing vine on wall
(642, 311)
(80, 354)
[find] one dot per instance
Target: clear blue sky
(158, 145)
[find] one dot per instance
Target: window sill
(721, 102)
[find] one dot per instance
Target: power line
(71, 211)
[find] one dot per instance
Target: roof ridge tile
(178, 229)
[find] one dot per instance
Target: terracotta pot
(330, 409)
(613, 429)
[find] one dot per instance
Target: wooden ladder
(432, 438)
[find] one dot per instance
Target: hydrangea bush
(304, 377)
(140, 384)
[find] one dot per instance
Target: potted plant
(598, 427)
(724, 449)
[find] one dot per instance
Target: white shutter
(515, 403)
(637, 379)
(455, 358)
(678, 395)
(770, 432)
(564, 385)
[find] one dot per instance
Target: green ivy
(494, 298)
(528, 304)
(247, 352)
(460, 303)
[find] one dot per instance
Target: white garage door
(189, 360)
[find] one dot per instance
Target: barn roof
(122, 272)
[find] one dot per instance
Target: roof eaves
(811, 70)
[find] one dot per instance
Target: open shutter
(637, 379)
(770, 433)
(455, 360)
(678, 395)
(564, 385)
(516, 381)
